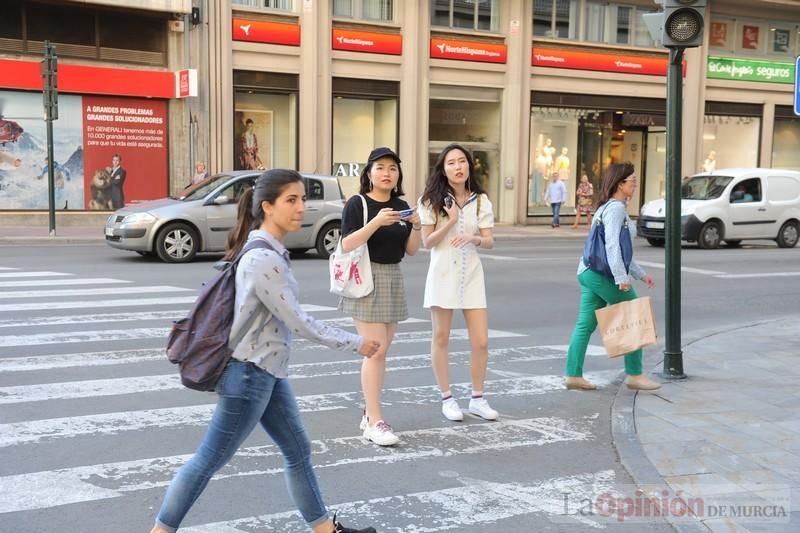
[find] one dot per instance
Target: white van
(731, 205)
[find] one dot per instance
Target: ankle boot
(578, 383)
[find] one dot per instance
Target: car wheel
(710, 235)
(177, 243)
(733, 244)
(787, 236)
(328, 238)
(658, 243)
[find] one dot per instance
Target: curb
(48, 241)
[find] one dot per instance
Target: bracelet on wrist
(416, 228)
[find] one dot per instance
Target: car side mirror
(221, 200)
(737, 195)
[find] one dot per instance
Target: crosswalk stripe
(472, 502)
(62, 282)
(31, 274)
(24, 492)
(96, 304)
(172, 314)
(45, 430)
(88, 292)
(8, 268)
(69, 337)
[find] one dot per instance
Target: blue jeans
(248, 395)
(556, 206)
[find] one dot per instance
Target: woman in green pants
(598, 290)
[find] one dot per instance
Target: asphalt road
(93, 423)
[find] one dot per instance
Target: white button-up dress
(455, 276)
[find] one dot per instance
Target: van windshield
(704, 187)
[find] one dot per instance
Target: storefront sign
(726, 68)
(578, 60)
(260, 31)
(468, 51)
(84, 79)
(365, 41)
(186, 83)
(89, 132)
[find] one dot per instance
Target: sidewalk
(93, 234)
(728, 434)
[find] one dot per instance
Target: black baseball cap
(383, 151)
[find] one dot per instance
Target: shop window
(754, 38)
(364, 9)
(786, 139)
(11, 21)
(61, 24)
(730, 141)
(616, 24)
(132, 32)
(555, 18)
(265, 129)
(281, 5)
(483, 15)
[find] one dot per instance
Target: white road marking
(760, 275)
(93, 292)
(469, 504)
(47, 430)
(96, 304)
(8, 268)
(40, 490)
(31, 274)
(683, 268)
(37, 363)
(62, 282)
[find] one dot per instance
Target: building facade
(532, 87)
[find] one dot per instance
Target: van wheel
(710, 235)
(177, 243)
(328, 238)
(658, 243)
(788, 235)
(733, 244)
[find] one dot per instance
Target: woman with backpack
(457, 219)
(599, 290)
(392, 230)
(254, 387)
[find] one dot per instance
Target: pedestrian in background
(585, 195)
(457, 219)
(389, 236)
(597, 290)
(254, 387)
(555, 195)
(199, 172)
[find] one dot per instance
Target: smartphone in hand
(448, 201)
(405, 213)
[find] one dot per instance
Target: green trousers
(597, 291)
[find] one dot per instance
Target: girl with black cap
(389, 234)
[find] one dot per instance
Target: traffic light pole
(50, 97)
(51, 184)
(673, 356)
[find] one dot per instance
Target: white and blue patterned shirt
(613, 215)
(268, 313)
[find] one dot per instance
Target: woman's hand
(413, 219)
(369, 348)
(461, 240)
(648, 281)
(386, 217)
(624, 287)
(452, 211)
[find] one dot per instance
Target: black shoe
(339, 528)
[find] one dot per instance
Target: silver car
(176, 229)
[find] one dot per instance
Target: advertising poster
(125, 141)
(89, 132)
(253, 146)
(23, 152)
(750, 37)
(781, 41)
(719, 35)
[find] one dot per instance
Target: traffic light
(49, 70)
(680, 25)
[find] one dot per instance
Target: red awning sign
(365, 41)
(580, 60)
(261, 31)
(468, 51)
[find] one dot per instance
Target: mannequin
(562, 164)
(549, 152)
(710, 164)
(538, 174)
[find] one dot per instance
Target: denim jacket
(268, 312)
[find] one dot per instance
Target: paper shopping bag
(627, 326)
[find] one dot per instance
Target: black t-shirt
(388, 244)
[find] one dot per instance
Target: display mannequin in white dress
(457, 219)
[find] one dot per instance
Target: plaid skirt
(386, 304)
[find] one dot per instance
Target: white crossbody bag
(351, 272)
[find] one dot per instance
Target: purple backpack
(198, 344)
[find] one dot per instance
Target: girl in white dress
(457, 219)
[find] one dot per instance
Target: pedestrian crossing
(92, 414)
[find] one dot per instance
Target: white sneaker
(451, 410)
(481, 408)
(381, 434)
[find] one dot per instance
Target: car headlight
(139, 218)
